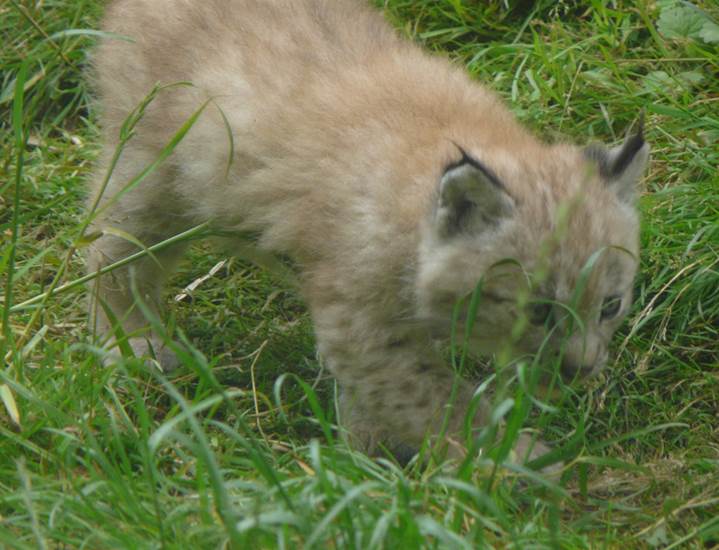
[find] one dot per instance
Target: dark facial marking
(540, 313)
(423, 402)
(408, 387)
(397, 343)
(610, 307)
(424, 368)
(495, 297)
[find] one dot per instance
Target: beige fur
(346, 156)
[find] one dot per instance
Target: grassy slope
(97, 460)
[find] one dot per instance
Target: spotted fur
(392, 179)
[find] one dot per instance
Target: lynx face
(555, 247)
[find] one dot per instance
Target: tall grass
(241, 448)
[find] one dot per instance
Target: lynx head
(552, 237)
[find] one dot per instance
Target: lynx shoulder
(394, 181)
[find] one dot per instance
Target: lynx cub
(394, 182)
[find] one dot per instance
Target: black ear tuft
(622, 167)
(626, 153)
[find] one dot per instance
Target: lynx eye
(610, 307)
(539, 313)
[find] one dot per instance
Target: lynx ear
(471, 198)
(621, 167)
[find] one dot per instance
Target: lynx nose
(571, 371)
(584, 356)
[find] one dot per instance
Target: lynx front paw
(154, 351)
(366, 434)
(376, 444)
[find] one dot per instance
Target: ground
(239, 447)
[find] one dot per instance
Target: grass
(239, 448)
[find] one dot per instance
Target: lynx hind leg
(145, 215)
